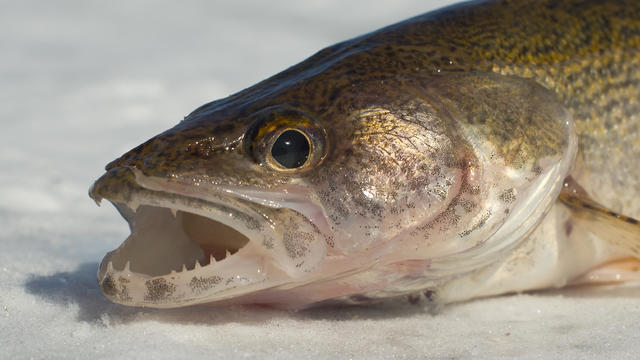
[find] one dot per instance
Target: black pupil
(291, 149)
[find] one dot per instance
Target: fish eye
(287, 141)
(291, 149)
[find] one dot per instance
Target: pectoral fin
(617, 229)
(621, 270)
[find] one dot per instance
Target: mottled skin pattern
(585, 51)
(399, 105)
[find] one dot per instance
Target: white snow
(84, 81)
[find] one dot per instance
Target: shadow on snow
(79, 288)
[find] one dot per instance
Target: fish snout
(117, 184)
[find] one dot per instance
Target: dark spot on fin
(617, 229)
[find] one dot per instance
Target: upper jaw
(170, 259)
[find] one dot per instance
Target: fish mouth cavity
(178, 236)
(165, 240)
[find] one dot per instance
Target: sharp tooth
(184, 268)
(173, 272)
(227, 254)
(98, 200)
(197, 264)
(174, 212)
(110, 267)
(212, 260)
(127, 267)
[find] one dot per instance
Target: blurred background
(81, 82)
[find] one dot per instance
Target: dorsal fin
(619, 230)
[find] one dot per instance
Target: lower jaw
(149, 270)
(183, 288)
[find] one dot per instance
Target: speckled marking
(268, 242)
(159, 290)
(116, 288)
(108, 286)
(479, 224)
(508, 196)
(297, 243)
(201, 283)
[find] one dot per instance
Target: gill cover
(522, 147)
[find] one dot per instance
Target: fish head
(292, 182)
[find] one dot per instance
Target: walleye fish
(481, 149)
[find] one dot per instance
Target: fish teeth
(197, 265)
(174, 212)
(227, 254)
(110, 267)
(127, 267)
(212, 260)
(184, 268)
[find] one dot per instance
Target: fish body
(428, 157)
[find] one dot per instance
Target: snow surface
(84, 81)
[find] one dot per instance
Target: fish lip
(121, 186)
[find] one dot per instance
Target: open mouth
(194, 243)
(181, 250)
(165, 240)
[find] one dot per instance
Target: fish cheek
(394, 170)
